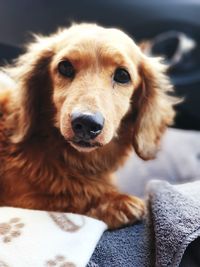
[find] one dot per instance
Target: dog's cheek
(65, 123)
(122, 106)
(108, 132)
(58, 100)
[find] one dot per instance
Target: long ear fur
(31, 74)
(154, 107)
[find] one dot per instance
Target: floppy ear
(31, 73)
(153, 106)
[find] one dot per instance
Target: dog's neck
(46, 165)
(48, 149)
(52, 148)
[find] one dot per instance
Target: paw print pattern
(65, 223)
(59, 261)
(11, 229)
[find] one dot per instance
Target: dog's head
(93, 77)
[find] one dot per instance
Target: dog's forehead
(95, 39)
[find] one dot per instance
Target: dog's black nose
(87, 126)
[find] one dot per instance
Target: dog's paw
(120, 210)
(125, 210)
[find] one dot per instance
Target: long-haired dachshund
(80, 101)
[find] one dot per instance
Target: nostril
(78, 126)
(96, 128)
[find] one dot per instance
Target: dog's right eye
(66, 69)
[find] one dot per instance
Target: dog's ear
(31, 74)
(153, 107)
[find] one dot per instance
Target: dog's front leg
(118, 210)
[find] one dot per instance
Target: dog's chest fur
(47, 174)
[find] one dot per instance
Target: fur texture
(40, 167)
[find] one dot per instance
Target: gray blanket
(161, 240)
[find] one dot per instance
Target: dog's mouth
(85, 146)
(83, 143)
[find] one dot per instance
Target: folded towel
(173, 223)
(31, 238)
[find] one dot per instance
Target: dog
(81, 100)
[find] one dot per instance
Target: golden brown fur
(40, 167)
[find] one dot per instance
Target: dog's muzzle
(86, 126)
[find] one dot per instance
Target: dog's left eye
(121, 76)
(66, 69)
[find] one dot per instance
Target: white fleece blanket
(30, 238)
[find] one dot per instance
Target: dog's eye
(66, 69)
(121, 76)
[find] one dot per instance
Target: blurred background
(169, 28)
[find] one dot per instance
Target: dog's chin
(84, 146)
